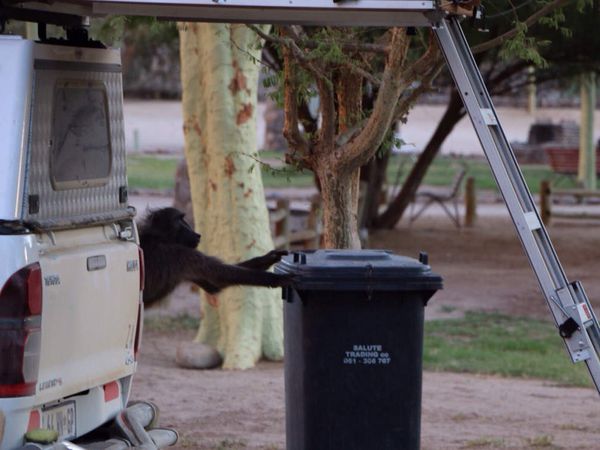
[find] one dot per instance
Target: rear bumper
(92, 407)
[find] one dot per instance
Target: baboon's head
(170, 224)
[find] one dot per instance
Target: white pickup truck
(71, 271)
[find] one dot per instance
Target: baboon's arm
(265, 261)
(212, 275)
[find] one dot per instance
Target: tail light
(111, 391)
(20, 332)
(34, 420)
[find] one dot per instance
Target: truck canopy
(314, 12)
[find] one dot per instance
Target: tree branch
(363, 73)
(328, 115)
(546, 9)
(352, 47)
(406, 102)
(345, 46)
(291, 42)
(291, 131)
(372, 134)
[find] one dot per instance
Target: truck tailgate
(91, 301)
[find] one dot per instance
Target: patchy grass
(576, 427)
(158, 172)
(229, 444)
(443, 170)
(483, 343)
(461, 417)
(500, 345)
(484, 442)
(543, 441)
(286, 177)
(446, 309)
(151, 172)
(182, 322)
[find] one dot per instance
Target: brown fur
(170, 257)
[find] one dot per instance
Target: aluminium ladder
(570, 306)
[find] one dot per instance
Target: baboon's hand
(265, 261)
(274, 256)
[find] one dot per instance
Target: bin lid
(344, 270)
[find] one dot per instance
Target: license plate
(62, 419)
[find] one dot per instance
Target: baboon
(170, 257)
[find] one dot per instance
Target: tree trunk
(219, 78)
(374, 174)
(340, 184)
(340, 205)
(396, 208)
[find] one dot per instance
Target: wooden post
(31, 31)
(531, 91)
(314, 223)
(545, 201)
(470, 202)
(587, 152)
(282, 224)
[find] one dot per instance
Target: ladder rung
(489, 118)
(533, 221)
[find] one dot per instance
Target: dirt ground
(484, 268)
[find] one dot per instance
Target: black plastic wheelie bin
(353, 324)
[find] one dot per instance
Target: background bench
(565, 161)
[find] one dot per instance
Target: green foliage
(558, 28)
(329, 47)
(553, 21)
(273, 82)
(275, 169)
(568, 57)
(109, 30)
(389, 142)
(324, 47)
(581, 5)
(306, 86)
(500, 345)
(524, 47)
(114, 29)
